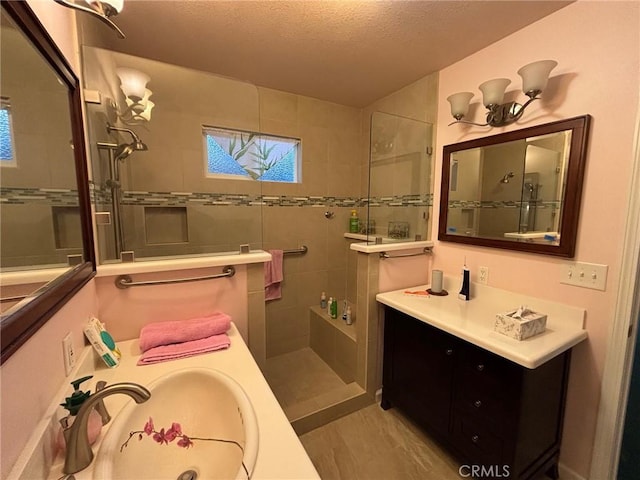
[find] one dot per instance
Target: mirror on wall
(162, 198)
(46, 241)
(518, 190)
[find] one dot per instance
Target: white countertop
(280, 453)
(473, 320)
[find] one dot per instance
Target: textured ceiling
(348, 52)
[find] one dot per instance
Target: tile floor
(303, 383)
(374, 444)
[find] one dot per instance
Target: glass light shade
(535, 75)
(493, 91)
(140, 106)
(115, 5)
(459, 104)
(133, 83)
(146, 114)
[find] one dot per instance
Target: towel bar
(125, 281)
(425, 251)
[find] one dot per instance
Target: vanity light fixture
(102, 9)
(133, 84)
(534, 80)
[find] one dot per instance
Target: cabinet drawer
(483, 371)
(476, 442)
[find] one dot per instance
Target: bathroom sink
(206, 404)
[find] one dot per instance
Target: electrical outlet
(68, 355)
(483, 275)
(587, 275)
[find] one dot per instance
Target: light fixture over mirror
(534, 80)
(133, 84)
(100, 9)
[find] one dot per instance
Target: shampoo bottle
(323, 301)
(329, 306)
(464, 288)
(354, 222)
(334, 309)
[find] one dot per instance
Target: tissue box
(531, 323)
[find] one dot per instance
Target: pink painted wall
(125, 312)
(596, 46)
(33, 375)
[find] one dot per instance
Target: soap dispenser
(72, 404)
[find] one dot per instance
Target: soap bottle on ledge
(354, 222)
(73, 404)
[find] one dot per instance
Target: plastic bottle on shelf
(329, 306)
(349, 316)
(354, 222)
(323, 300)
(334, 309)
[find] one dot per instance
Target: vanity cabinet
(487, 410)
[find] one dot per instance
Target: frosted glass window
(7, 154)
(251, 156)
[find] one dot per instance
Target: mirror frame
(579, 127)
(34, 311)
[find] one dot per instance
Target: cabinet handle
(477, 403)
(480, 367)
(449, 351)
(475, 439)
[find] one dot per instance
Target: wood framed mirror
(51, 95)
(518, 190)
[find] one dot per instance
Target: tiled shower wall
(334, 165)
(40, 219)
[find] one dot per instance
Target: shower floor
(303, 383)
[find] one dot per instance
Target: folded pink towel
(175, 351)
(273, 276)
(166, 333)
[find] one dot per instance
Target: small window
(7, 152)
(251, 156)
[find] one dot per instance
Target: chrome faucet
(79, 454)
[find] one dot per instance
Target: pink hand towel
(273, 276)
(166, 333)
(175, 351)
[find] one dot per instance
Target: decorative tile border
(466, 204)
(44, 196)
(236, 199)
(10, 195)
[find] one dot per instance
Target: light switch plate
(68, 354)
(587, 275)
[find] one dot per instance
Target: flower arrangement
(169, 435)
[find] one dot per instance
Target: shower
(506, 178)
(119, 153)
(125, 149)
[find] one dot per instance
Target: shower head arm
(111, 128)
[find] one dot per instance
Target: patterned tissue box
(520, 327)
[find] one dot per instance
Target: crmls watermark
(484, 471)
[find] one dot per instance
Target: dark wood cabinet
(489, 411)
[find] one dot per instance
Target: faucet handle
(100, 407)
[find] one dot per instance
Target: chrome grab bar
(125, 281)
(425, 251)
(296, 251)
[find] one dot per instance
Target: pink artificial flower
(185, 442)
(160, 437)
(148, 427)
(173, 432)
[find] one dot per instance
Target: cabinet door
(418, 370)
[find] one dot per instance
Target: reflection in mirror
(40, 222)
(400, 169)
(46, 242)
(518, 190)
(160, 198)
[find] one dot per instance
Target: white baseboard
(567, 474)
